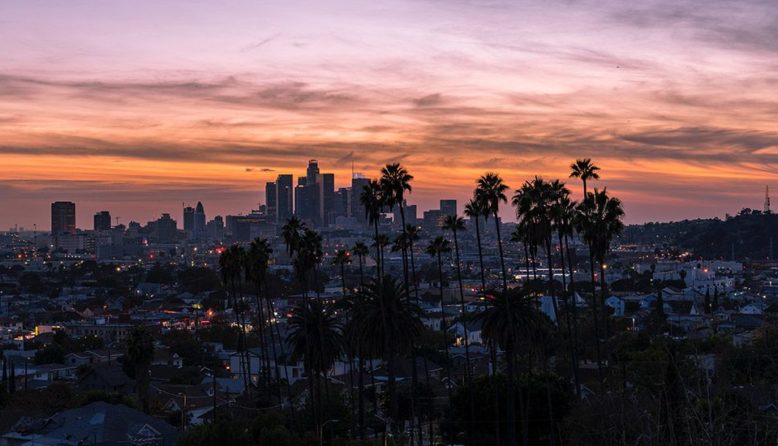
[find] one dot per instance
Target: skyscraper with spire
(198, 229)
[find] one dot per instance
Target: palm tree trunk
(378, 261)
(492, 348)
(571, 340)
(551, 287)
(361, 271)
(594, 315)
(480, 254)
(526, 260)
(271, 308)
(361, 392)
(603, 296)
(509, 379)
(502, 260)
(445, 333)
(413, 271)
(468, 380)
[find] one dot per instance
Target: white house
(473, 332)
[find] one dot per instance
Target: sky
(137, 107)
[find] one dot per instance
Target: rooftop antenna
(767, 199)
(117, 220)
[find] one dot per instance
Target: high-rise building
(325, 183)
(358, 183)
(312, 172)
(102, 221)
(271, 198)
(189, 220)
(198, 225)
(448, 207)
(410, 215)
(341, 206)
(165, 229)
(214, 229)
(284, 197)
(433, 219)
(63, 217)
(301, 202)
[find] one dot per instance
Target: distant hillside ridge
(751, 234)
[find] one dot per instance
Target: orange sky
(136, 108)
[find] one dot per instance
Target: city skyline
(137, 108)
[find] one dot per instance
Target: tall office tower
(340, 208)
(410, 215)
(165, 229)
(300, 200)
(189, 220)
(214, 229)
(312, 172)
(102, 221)
(271, 198)
(448, 207)
(198, 225)
(284, 197)
(325, 186)
(63, 217)
(358, 183)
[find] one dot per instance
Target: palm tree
(533, 208)
(372, 200)
(585, 170)
(387, 324)
(510, 320)
(232, 262)
(412, 235)
(603, 223)
(291, 233)
(138, 355)
(474, 211)
(256, 264)
(435, 249)
(520, 235)
(395, 182)
(342, 258)
(598, 220)
(311, 253)
(360, 250)
(490, 193)
(315, 336)
(455, 224)
(562, 212)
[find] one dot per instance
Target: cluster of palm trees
(381, 318)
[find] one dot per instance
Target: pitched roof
(99, 423)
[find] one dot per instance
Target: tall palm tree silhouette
(372, 200)
(490, 192)
(585, 170)
(315, 335)
(456, 224)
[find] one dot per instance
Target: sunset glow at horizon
(138, 107)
